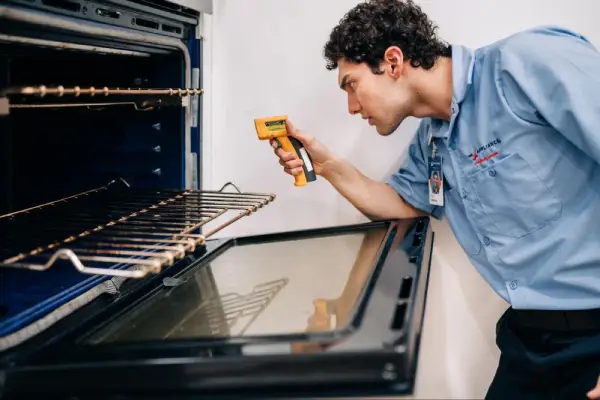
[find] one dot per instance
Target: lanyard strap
(431, 141)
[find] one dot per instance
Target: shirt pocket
(456, 215)
(514, 197)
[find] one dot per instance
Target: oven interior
(51, 153)
(97, 124)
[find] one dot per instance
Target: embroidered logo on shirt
(477, 159)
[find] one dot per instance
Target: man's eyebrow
(344, 82)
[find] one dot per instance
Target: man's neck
(434, 90)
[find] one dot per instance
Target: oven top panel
(150, 16)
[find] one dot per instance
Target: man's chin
(384, 130)
(388, 129)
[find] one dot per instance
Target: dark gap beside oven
(48, 153)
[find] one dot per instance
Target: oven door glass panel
(258, 289)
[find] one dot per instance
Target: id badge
(436, 181)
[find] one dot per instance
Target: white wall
(267, 60)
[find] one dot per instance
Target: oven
(113, 281)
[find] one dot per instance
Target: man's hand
(319, 154)
(375, 200)
(594, 394)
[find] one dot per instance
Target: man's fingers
(275, 145)
(287, 156)
(293, 171)
(291, 164)
(284, 156)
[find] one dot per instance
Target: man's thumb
(296, 133)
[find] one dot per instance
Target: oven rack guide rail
(150, 98)
(140, 230)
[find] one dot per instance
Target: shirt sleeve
(552, 76)
(411, 180)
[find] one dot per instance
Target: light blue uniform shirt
(521, 161)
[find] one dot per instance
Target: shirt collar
(463, 60)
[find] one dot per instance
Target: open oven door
(331, 312)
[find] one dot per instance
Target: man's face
(385, 100)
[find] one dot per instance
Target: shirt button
(512, 285)
(486, 241)
(464, 194)
(492, 172)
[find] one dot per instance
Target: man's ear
(394, 58)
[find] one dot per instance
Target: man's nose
(353, 105)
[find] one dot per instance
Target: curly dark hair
(366, 31)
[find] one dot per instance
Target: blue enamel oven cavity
(51, 153)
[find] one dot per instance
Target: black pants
(544, 364)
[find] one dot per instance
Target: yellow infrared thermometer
(274, 128)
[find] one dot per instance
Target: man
(514, 130)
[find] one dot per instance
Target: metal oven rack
(120, 231)
(140, 99)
